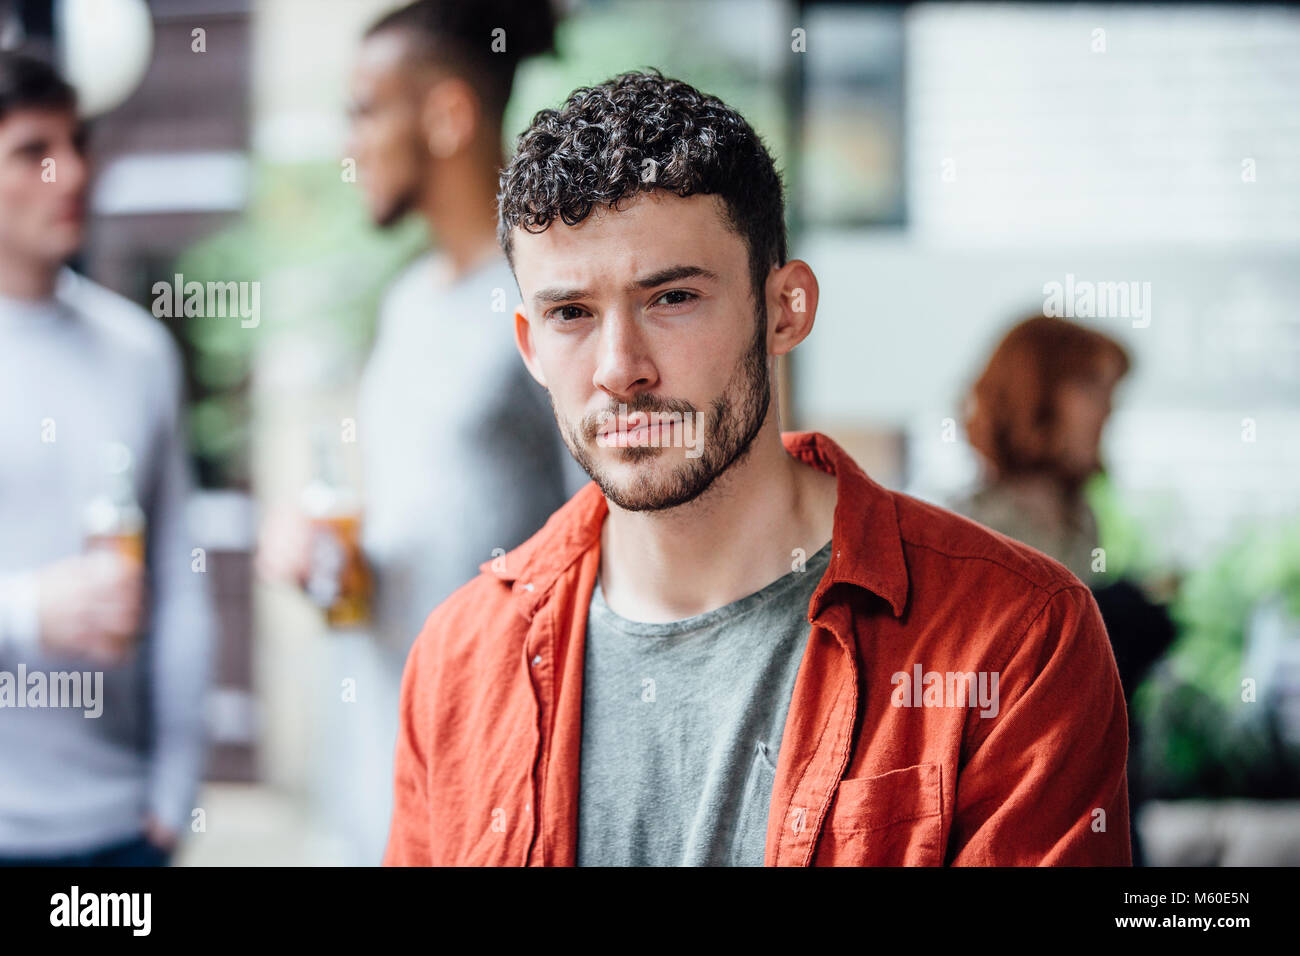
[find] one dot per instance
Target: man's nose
(72, 170)
(625, 366)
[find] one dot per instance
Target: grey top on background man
(84, 368)
(460, 451)
(682, 724)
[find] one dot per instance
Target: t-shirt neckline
(815, 564)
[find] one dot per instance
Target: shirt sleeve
(408, 838)
(182, 626)
(19, 615)
(1046, 784)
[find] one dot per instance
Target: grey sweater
(462, 458)
(77, 370)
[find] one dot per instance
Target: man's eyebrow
(670, 274)
(35, 142)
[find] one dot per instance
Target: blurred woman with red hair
(1036, 415)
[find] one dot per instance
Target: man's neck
(462, 216)
(27, 280)
(735, 539)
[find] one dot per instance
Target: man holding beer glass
(96, 582)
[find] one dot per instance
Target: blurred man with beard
(459, 454)
(81, 367)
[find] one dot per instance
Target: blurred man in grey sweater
(82, 369)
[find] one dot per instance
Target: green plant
(1201, 738)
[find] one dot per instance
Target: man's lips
(616, 426)
(622, 434)
(71, 212)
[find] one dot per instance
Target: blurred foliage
(322, 268)
(1128, 554)
(1199, 739)
(1203, 739)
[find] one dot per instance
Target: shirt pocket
(750, 839)
(890, 819)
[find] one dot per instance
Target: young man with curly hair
(732, 647)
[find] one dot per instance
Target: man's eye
(687, 297)
(564, 314)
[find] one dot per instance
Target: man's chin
(387, 213)
(641, 498)
(386, 218)
(650, 486)
(62, 243)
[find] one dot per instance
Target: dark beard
(408, 200)
(736, 417)
(398, 209)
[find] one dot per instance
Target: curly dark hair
(636, 132)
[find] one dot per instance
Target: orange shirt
(884, 761)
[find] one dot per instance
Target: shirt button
(537, 660)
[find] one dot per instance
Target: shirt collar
(52, 307)
(867, 547)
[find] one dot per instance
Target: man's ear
(524, 342)
(792, 292)
(449, 116)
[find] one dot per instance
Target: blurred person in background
(95, 558)
(1036, 416)
(460, 458)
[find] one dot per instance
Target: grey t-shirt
(460, 453)
(681, 724)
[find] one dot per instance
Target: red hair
(1012, 408)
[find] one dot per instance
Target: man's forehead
(394, 57)
(387, 66)
(387, 49)
(646, 232)
(23, 123)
